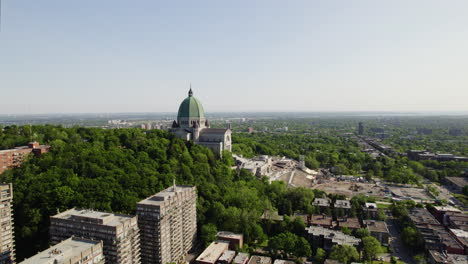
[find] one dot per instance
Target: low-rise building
(321, 202)
(436, 257)
(371, 210)
(456, 183)
(327, 238)
(271, 216)
(119, 233)
(440, 211)
(254, 259)
(462, 237)
(241, 258)
(322, 220)
(213, 252)
(281, 261)
(349, 222)
(226, 257)
(344, 204)
(379, 230)
(236, 241)
(456, 220)
(422, 216)
(70, 251)
(436, 237)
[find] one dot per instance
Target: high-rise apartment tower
(168, 224)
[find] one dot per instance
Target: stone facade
(191, 124)
(168, 224)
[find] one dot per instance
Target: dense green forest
(113, 169)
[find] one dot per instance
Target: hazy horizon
(243, 56)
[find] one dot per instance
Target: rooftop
(227, 234)
(343, 204)
(161, 197)
(281, 261)
(448, 258)
(376, 226)
(371, 205)
(350, 222)
(422, 216)
(459, 181)
(323, 220)
(447, 209)
(63, 252)
(321, 202)
(227, 256)
(240, 258)
(336, 236)
(259, 260)
(212, 253)
(95, 217)
(272, 215)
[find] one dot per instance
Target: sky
(111, 56)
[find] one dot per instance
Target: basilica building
(191, 124)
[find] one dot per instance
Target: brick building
(12, 158)
(168, 224)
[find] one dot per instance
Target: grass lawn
(383, 205)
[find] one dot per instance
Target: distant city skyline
(242, 56)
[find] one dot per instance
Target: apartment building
(70, 251)
(168, 224)
(12, 158)
(119, 233)
(7, 246)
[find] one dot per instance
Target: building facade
(7, 246)
(168, 224)
(70, 251)
(12, 158)
(191, 124)
(119, 233)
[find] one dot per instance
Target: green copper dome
(191, 108)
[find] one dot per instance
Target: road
(399, 249)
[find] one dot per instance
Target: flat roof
(422, 216)
(321, 201)
(62, 252)
(351, 222)
(259, 260)
(459, 181)
(282, 261)
(227, 234)
(227, 256)
(240, 258)
(336, 236)
(343, 204)
(212, 253)
(447, 209)
(321, 220)
(371, 205)
(376, 226)
(162, 196)
(94, 217)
